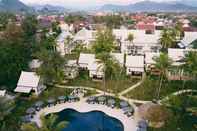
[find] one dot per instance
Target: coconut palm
(48, 124)
(130, 38)
(167, 39)
(162, 63)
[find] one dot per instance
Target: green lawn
(147, 90)
(112, 85)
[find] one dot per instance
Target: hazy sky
(83, 2)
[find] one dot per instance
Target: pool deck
(82, 106)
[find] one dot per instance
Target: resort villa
(85, 60)
(119, 57)
(28, 82)
(96, 69)
(134, 65)
(71, 69)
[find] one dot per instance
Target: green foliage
(111, 21)
(29, 26)
(52, 67)
(104, 42)
(6, 107)
(48, 124)
(4, 19)
(15, 55)
(190, 65)
(168, 38)
(56, 28)
(163, 63)
(73, 18)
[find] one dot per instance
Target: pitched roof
(135, 61)
(176, 54)
(149, 57)
(28, 79)
(140, 36)
(119, 57)
(86, 58)
(189, 38)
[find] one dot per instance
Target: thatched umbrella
(154, 113)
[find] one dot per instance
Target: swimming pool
(90, 121)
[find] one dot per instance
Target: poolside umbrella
(31, 110)
(51, 101)
(123, 104)
(26, 118)
(142, 124)
(71, 97)
(111, 102)
(128, 109)
(91, 98)
(101, 99)
(61, 98)
(39, 103)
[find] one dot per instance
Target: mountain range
(144, 6)
(150, 6)
(13, 6)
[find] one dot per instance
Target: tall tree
(163, 63)
(52, 68)
(15, 55)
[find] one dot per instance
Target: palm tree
(167, 39)
(48, 124)
(190, 65)
(130, 38)
(163, 63)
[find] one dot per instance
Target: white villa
(28, 82)
(177, 55)
(119, 57)
(134, 65)
(188, 38)
(143, 41)
(86, 37)
(149, 59)
(85, 60)
(96, 69)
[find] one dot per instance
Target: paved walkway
(130, 88)
(83, 106)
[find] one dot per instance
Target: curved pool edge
(83, 107)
